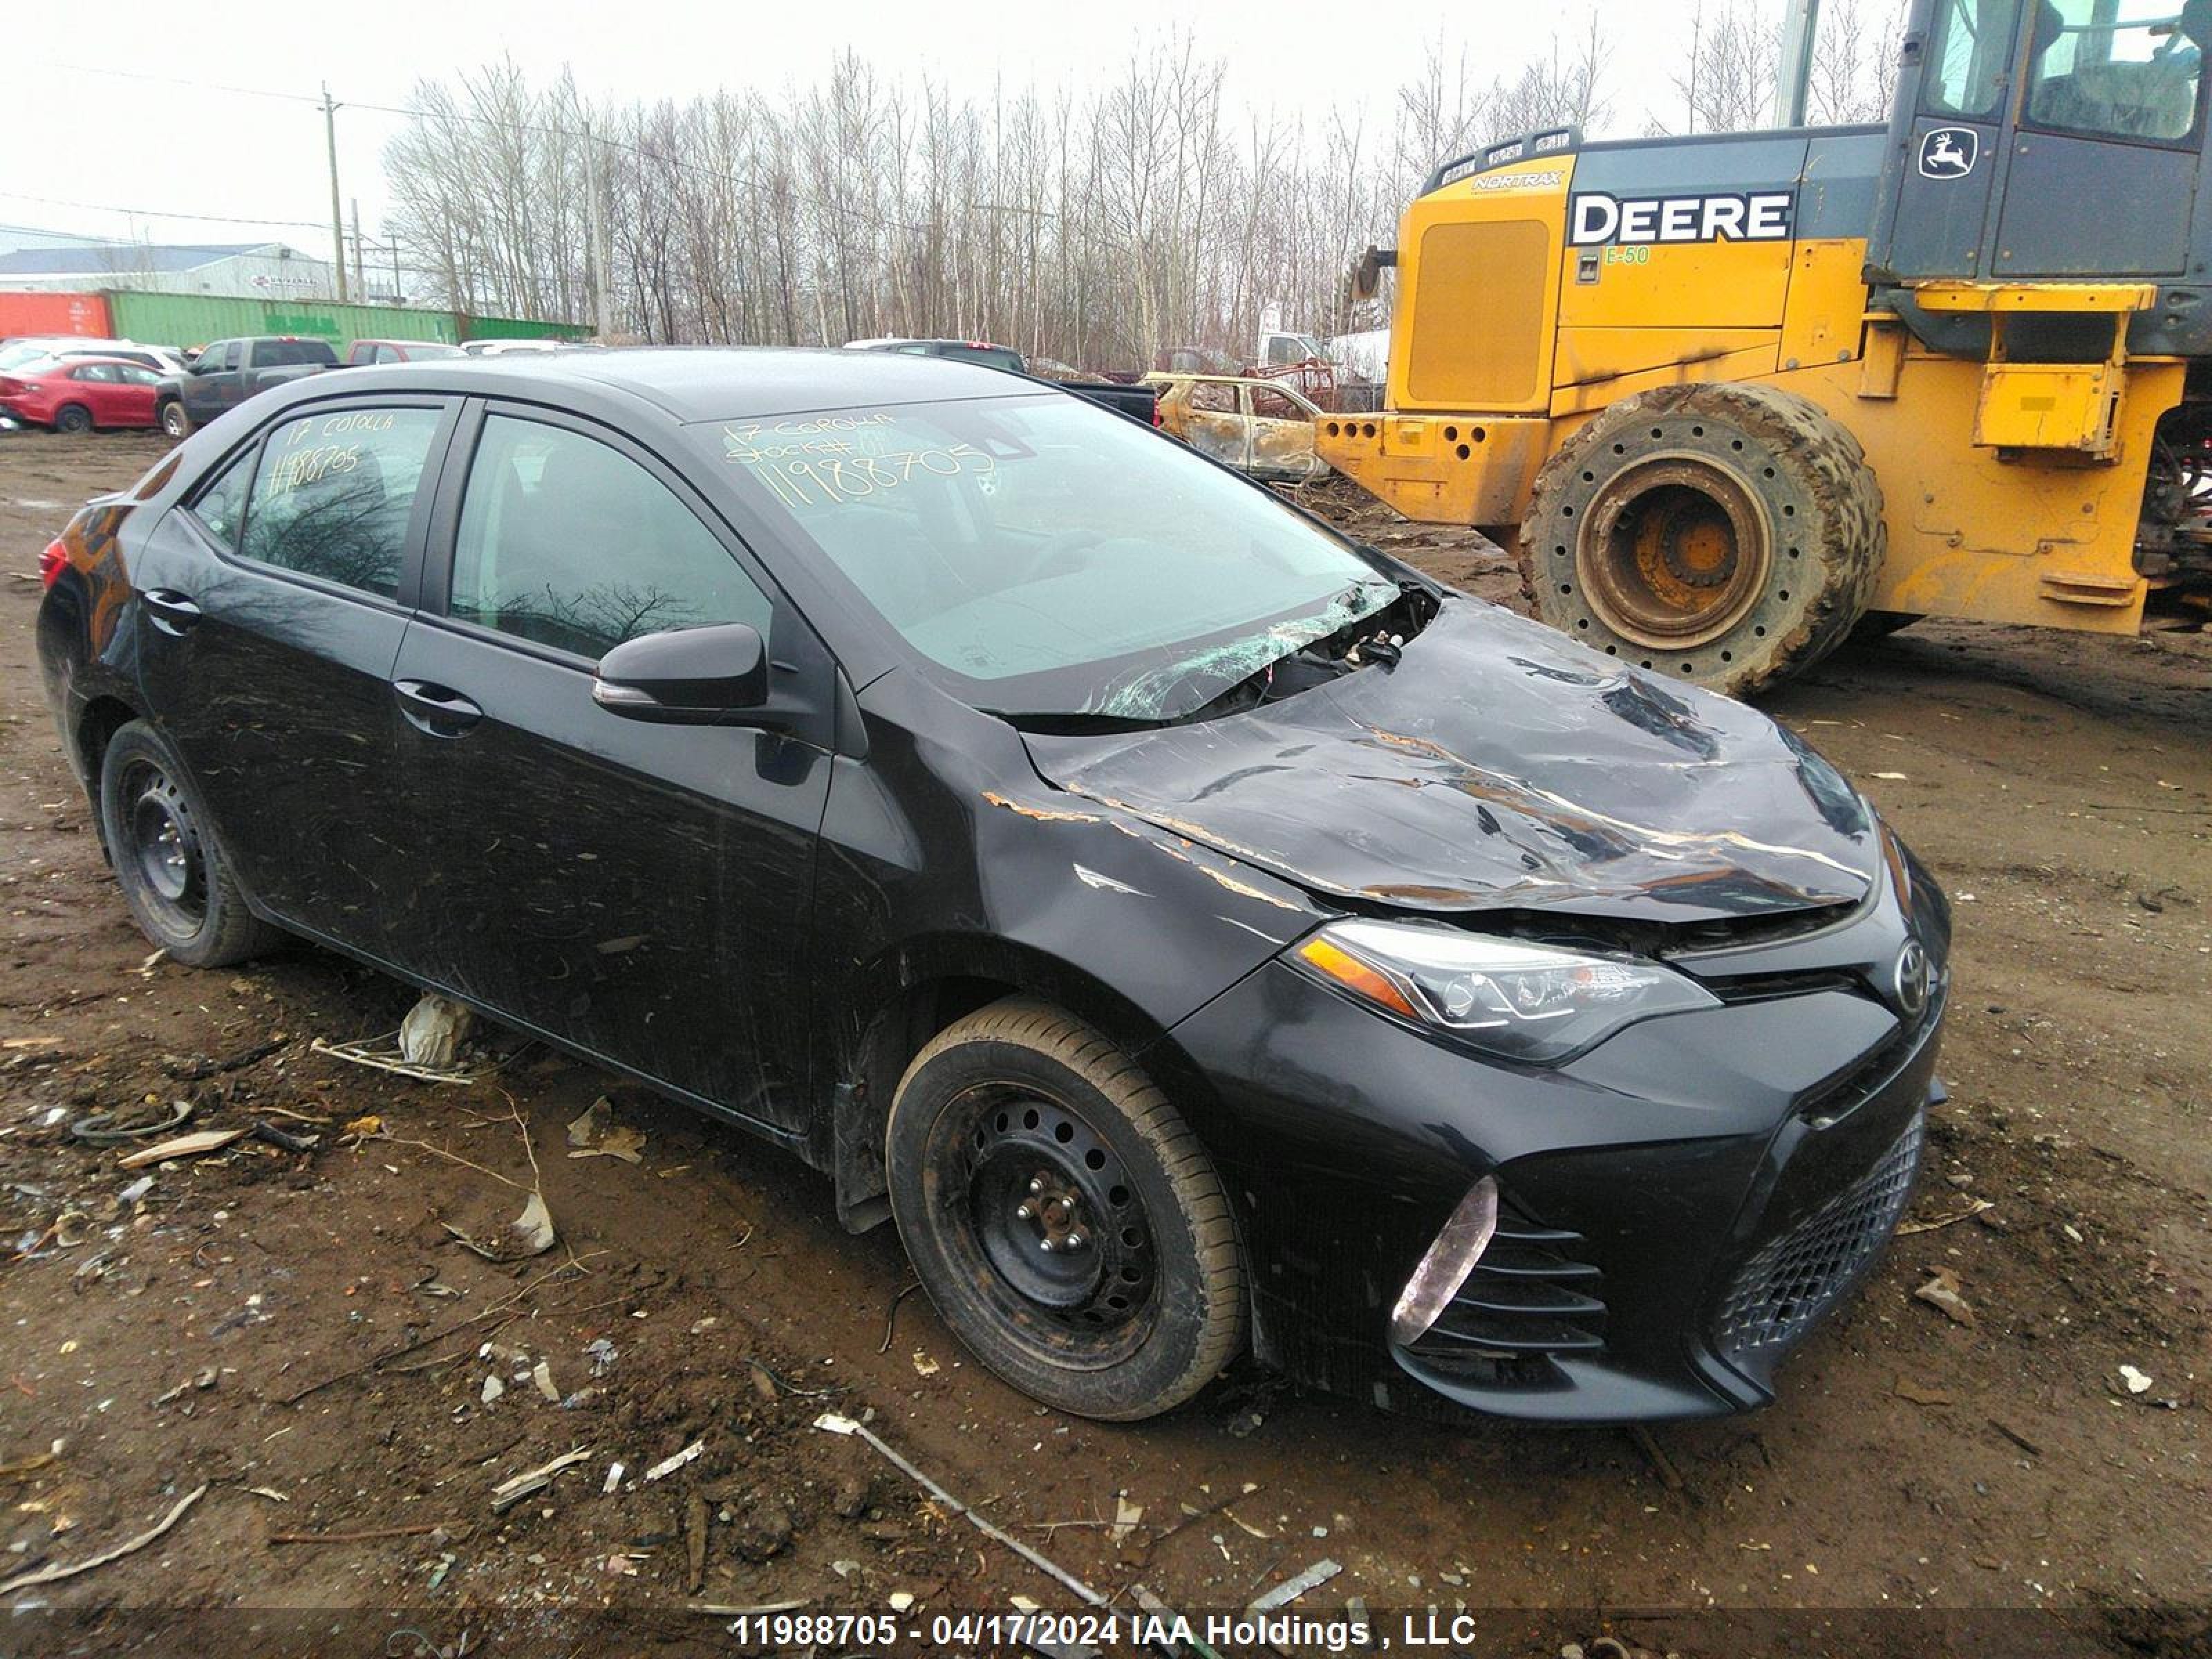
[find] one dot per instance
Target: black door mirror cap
(713, 675)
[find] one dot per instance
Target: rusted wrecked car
(1260, 427)
(1199, 932)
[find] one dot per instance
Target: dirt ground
(301, 1335)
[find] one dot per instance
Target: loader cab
(2040, 139)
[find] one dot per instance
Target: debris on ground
(512, 1491)
(675, 1461)
(49, 1575)
(432, 1034)
(437, 1031)
(197, 1144)
(1127, 1516)
(831, 1423)
(99, 1128)
(532, 1231)
(595, 1134)
(765, 1529)
(1974, 1207)
(1291, 1588)
(696, 1523)
(2137, 1382)
(1942, 1293)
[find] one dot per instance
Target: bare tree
(1854, 62)
(1728, 83)
(1561, 90)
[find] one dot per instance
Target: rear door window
(568, 542)
(335, 492)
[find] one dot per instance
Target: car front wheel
(175, 422)
(1065, 1221)
(175, 873)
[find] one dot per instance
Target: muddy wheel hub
(165, 849)
(1055, 1217)
(1674, 551)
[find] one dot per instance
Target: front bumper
(1681, 1207)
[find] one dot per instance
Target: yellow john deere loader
(1739, 394)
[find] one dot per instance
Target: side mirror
(714, 676)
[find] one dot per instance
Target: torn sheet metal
(1494, 768)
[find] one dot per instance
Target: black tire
(73, 418)
(175, 422)
(174, 872)
(1725, 534)
(1018, 1127)
(1878, 625)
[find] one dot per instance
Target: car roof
(695, 383)
(78, 360)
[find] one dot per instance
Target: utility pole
(1801, 23)
(337, 221)
(602, 307)
(360, 254)
(398, 294)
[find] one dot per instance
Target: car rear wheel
(176, 875)
(175, 422)
(72, 417)
(1064, 1219)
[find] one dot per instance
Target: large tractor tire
(1726, 534)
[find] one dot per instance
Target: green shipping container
(183, 320)
(519, 328)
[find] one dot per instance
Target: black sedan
(1200, 933)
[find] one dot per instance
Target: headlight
(1528, 1002)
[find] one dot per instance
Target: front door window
(572, 545)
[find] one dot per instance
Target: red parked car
(79, 393)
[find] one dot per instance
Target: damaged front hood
(1499, 766)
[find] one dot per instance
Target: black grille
(1528, 1298)
(1799, 1275)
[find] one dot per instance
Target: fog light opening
(1458, 1247)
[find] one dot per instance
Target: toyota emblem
(1910, 979)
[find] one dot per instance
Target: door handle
(173, 612)
(439, 710)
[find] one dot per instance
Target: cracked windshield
(1049, 560)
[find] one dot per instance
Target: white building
(243, 270)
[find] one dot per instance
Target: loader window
(2119, 69)
(1969, 49)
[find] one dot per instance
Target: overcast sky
(82, 146)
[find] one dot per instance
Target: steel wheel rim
(162, 841)
(1022, 1171)
(1674, 552)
